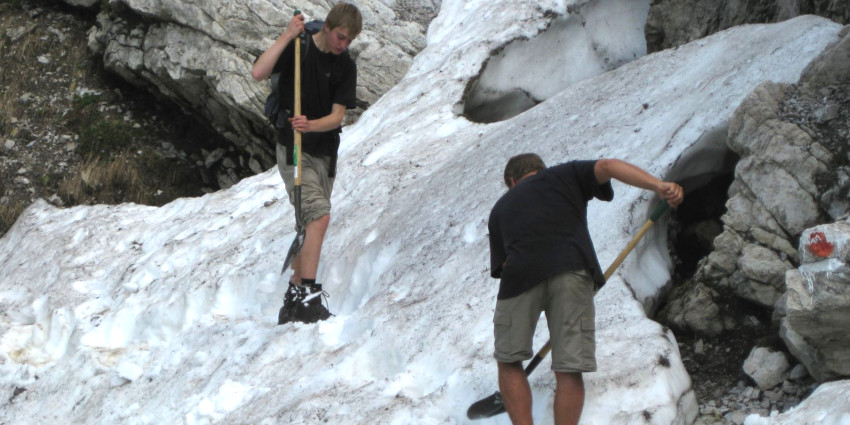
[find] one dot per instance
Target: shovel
(494, 405)
(300, 229)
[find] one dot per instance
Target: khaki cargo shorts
(567, 300)
(316, 186)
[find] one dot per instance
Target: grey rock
(774, 166)
(830, 68)
(722, 261)
(767, 368)
(699, 347)
(775, 242)
(798, 372)
(763, 275)
(736, 417)
(213, 157)
(818, 303)
(773, 396)
(824, 242)
(255, 166)
(694, 310)
(827, 113)
(82, 3)
(763, 265)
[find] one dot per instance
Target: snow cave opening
(705, 171)
(589, 40)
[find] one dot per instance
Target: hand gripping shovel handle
(301, 232)
(493, 405)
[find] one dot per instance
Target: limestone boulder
(693, 307)
(776, 166)
(766, 367)
(763, 275)
(817, 308)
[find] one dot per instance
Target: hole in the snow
(706, 171)
(700, 223)
(592, 39)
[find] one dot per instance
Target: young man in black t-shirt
(328, 84)
(540, 248)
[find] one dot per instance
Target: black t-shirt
(325, 79)
(538, 229)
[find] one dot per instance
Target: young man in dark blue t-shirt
(540, 248)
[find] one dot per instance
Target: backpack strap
(310, 28)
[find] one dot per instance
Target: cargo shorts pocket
(502, 335)
(588, 324)
(588, 346)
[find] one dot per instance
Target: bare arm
(265, 63)
(326, 123)
(607, 169)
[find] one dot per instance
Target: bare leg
(569, 397)
(516, 393)
(306, 264)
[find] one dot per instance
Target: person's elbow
(337, 115)
(602, 170)
(258, 75)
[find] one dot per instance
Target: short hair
(521, 165)
(345, 15)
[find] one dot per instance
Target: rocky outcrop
(779, 165)
(793, 145)
(672, 23)
(200, 55)
(818, 297)
(818, 303)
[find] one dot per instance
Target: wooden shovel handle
(297, 78)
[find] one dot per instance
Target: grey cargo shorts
(567, 300)
(316, 186)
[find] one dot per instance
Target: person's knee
(510, 366)
(569, 378)
(323, 221)
(316, 218)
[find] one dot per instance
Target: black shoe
(291, 301)
(312, 309)
(303, 303)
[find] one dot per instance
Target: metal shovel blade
(295, 248)
(487, 407)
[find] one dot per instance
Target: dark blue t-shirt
(538, 229)
(326, 79)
